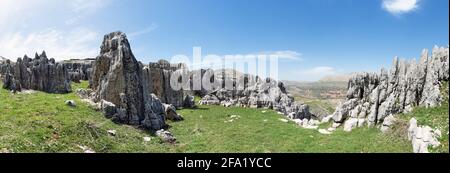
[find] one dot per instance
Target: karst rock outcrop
(157, 77)
(40, 74)
(2, 66)
(372, 97)
(79, 69)
(124, 87)
(256, 93)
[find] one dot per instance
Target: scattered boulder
(422, 137)
(70, 103)
(166, 136)
(108, 109)
(112, 132)
(189, 101)
(350, 124)
(171, 113)
(387, 123)
(84, 93)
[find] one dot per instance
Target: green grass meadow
(41, 122)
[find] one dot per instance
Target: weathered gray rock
(3, 62)
(422, 137)
(171, 113)
(372, 97)
(79, 69)
(256, 93)
(84, 93)
(166, 136)
(118, 79)
(157, 77)
(108, 108)
(189, 101)
(40, 74)
(388, 122)
(70, 103)
(209, 100)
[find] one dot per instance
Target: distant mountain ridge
(337, 78)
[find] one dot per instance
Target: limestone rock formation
(118, 83)
(257, 93)
(40, 73)
(372, 97)
(189, 101)
(79, 69)
(2, 66)
(171, 113)
(157, 75)
(422, 137)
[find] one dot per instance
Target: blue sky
(318, 37)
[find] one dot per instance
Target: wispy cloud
(77, 43)
(284, 54)
(316, 73)
(144, 31)
(82, 8)
(398, 7)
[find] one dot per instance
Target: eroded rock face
(372, 97)
(118, 82)
(79, 69)
(3, 66)
(158, 76)
(40, 73)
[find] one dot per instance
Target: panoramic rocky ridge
(39, 73)
(374, 98)
(79, 69)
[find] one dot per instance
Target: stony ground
(40, 122)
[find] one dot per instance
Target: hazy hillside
(322, 96)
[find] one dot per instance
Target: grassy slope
(41, 122)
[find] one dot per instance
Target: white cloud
(77, 43)
(143, 31)
(284, 54)
(33, 26)
(315, 73)
(397, 7)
